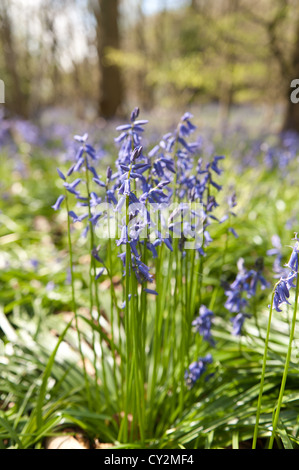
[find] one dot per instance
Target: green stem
(184, 327)
(191, 282)
(75, 303)
(137, 349)
(216, 291)
(127, 329)
(189, 313)
(167, 293)
(112, 312)
(157, 339)
(144, 308)
(259, 403)
(287, 364)
(92, 282)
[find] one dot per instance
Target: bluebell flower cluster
(203, 324)
(283, 286)
(85, 161)
(189, 179)
(232, 202)
(238, 322)
(240, 290)
(197, 369)
(129, 138)
(145, 183)
(163, 176)
(278, 268)
(281, 155)
(137, 189)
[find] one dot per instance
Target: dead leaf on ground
(63, 442)
(102, 445)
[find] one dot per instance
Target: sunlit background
(100, 58)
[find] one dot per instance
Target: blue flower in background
(129, 138)
(282, 289)
(57, 204)
(203, 324)
(197, 369)
(241, 289)
(238, 322)
(293, 261)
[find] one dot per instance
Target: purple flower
(123, 236)
(99, 273)
(238, 322)
(57, 204)
(214, 165)
(293, 261)
(150, 291)
(81, 138)
(234, 302)
(34, 263)
(232, 230)
(143, 270)
(71, 187)
(196, 370)
(77, 218)
(134, 114)
(60, 174)
(129, 139)
(203, 324)
(282, 294)
(255, 279)
(245, 284)
(79, 164)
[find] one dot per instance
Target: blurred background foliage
(99, 57)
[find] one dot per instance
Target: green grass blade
(46, 375)
(12, 433)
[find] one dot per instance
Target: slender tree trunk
(145, 91)
(193, 5)
(111, 90)
(228, 86)
(16, 100)
(291, 118)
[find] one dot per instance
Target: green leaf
(13, 434)
(46, 375)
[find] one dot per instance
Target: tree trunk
(291, 118)
(144, 90)
(16, 100)
(111, 91)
